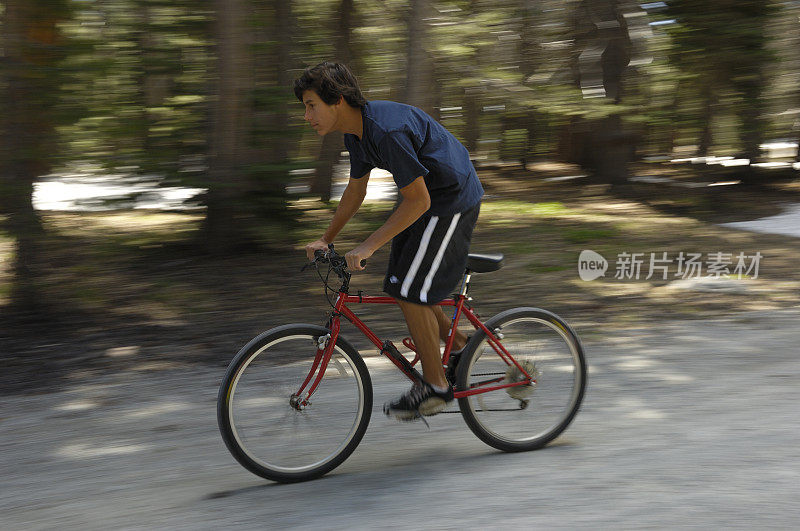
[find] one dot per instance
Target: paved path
(786, 223)
(684, 424)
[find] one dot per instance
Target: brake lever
(319, 254)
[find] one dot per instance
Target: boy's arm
(416, 201)
(351, 200)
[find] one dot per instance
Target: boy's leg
(425, 327)
(425, 264)
(444, 328)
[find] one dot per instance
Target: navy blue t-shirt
(408, 143)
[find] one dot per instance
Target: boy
(430, 229)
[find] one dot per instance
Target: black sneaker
(422, 399)
(452, 363)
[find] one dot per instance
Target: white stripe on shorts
(423, 294)
(423, 247)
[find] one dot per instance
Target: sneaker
(452, 363)
(421, 399)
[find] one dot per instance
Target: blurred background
(158, 184)
(144, 138)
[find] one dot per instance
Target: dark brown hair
(330, 81)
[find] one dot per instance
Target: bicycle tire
(277, 444)
(545, 344)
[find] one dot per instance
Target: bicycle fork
(325, 345)
(321, 359)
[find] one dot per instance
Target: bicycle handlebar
(337, 264)
(337, 261)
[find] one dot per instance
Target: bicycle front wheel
(530, 415)
(264, 425)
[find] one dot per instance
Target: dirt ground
(688, 424)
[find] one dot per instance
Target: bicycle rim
(528, 416)
(280, 440)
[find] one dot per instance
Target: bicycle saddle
(484, 263)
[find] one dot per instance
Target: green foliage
(721, 50)
(138, 82)
(514, 208)
(134, 80)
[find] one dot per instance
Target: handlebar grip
(319, 254)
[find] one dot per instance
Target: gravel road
(684, 424)
(786, 223)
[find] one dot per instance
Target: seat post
(465, 283)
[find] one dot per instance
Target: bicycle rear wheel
(527, 416)
(258, 413)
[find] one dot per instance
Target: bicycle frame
(323, 355)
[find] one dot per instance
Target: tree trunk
(436, 95)
(612, 150)
(472, 94)
(31, 52)
(332, 146)
(530, 139)
(530, 49)
(706, 138)
(283, 65)
(154, 84)
(148, 84)
(676, 117)
(227, 218)
(530, 58)
(752, 116)
(419, 69)
(602, 46)
(472, 109)
(332, 143)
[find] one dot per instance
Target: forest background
(594, 124)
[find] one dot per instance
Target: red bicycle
(296, 400)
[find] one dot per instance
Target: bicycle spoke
(273, 436)
(545, 363)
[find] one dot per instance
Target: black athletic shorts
(428, 259)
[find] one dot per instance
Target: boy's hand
(320, 244)
(355, 256)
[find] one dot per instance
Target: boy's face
(319, 114)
